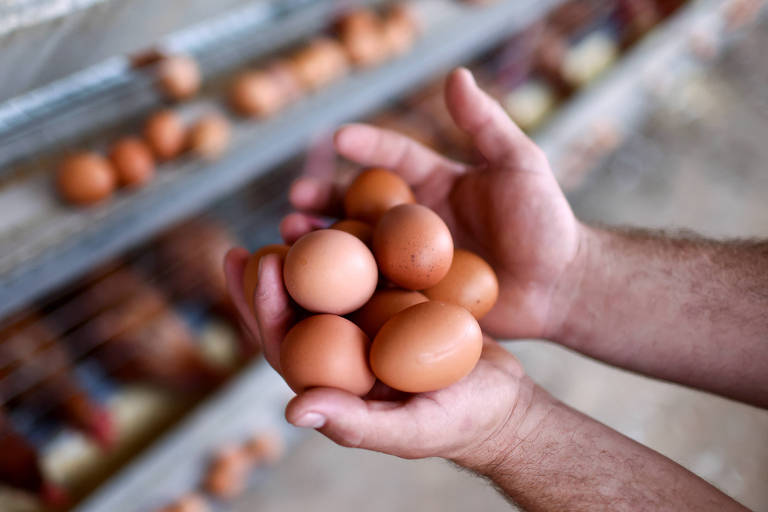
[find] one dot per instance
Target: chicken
(190, 263)
(35, 369)
(137, 337)
(20, 466)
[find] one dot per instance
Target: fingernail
(310, 420)
(260, 268)
(471, 75)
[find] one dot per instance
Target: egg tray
(44, 243)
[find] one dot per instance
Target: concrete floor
(701, 162)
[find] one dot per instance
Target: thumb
(493, 132)
(348, 420)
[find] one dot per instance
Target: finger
(381, 391)
(348, 420)
(315, 196)
(234, 265)
(295, 225)
(493, 132)
(273, 308)
(368, 145)
(494, 353)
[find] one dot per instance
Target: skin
(657, 305)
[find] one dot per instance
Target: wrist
(526, 419)
(570, 293)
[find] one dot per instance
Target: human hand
(470, 422)
(510, 210)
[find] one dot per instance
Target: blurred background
(124, 382)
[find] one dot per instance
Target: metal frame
(89, 237)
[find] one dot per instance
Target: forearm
(559, 459)
(683, 309)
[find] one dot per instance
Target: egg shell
(209, 136)
(251, 271)
(281, 72)
(326, 351)
(319, 63)
(85, 178)
(330, 271)
(166, 134)
(179, 76)
(399, 29)
(228, 473)
(426, 347)
(265, 447)
(361, 34)
(384, 305)
(470, 283)
(256, 94)
(133, 162)
(373, 193)
(413, 246)
(356, 228)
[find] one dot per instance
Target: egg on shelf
(209, 136)
(319, 63)
(179, 76)
(361, 33)
(85, 178)
(228, 473)
(256, 94)
(166, 134)
(399, 29)
(133, 162)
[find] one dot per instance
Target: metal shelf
(63, 242)
(624, 96)
(253, 402)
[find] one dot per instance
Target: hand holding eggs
(418, 332)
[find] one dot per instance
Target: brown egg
(426, 347)
(384, 305)
(470, 283)
(328, 351)
(265, 447)
(133, 162)
(357, 228)
(85, 178)
(330, 271)
(209, 136)
(319, 63)
(361, 34)
(373, 193)
(413, 246)
(251, 271)
(228, 473)
(179, 76)
(399, 30)
(256, 94)
(166, 134)
(282, 74)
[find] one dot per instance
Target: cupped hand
(470, 422)
(510, 209)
